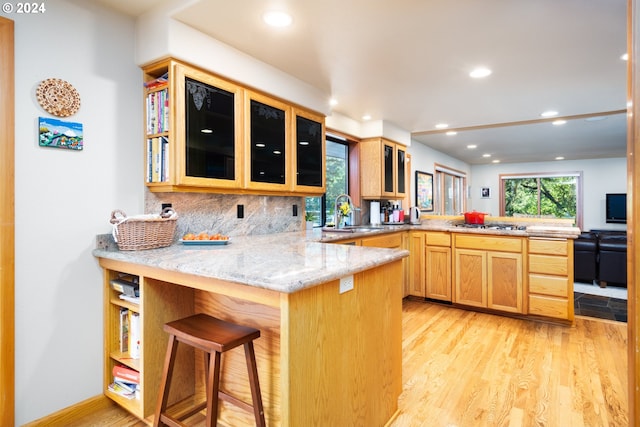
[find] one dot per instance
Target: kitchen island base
(324, 358)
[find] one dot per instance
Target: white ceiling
(407, 62)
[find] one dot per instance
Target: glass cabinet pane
(400, 158)
(308, 152)
(210, 131)
(388, 169)
(268, 127)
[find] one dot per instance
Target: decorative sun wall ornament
(58, 97)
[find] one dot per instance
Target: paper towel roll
(374, 213)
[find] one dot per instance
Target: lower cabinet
(551, 278)
(437, 259)
(488, 272)
(416, 264)
(430, 265)
(148, 360)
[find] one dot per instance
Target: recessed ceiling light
(559, 158)
(624, 56)
(486, 155)
(333, 102)
(206, 130)
(260, 144)
(442, 126)
(304, 143)
(452, 132)
(277, 19)
(277, 152)
(558, 122)
(472, 146)
(549, 113)
(495, 161)
(366, 117)
(480, 72)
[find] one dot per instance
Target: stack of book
(129, 332)
(128, 287)
(126, 382)
(129, 337)
(157, 106)
(157, 159)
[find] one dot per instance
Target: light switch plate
(346, 284)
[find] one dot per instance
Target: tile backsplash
(218, 213)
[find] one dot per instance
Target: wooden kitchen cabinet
(199, 143)
(308, 156)
(551, 278)
(177, 302)
(438, 265)
(430, 265)
(384, 169)
(205, 133)
(267, 142)
(416, 264)
(489, 272)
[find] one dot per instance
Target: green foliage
(553, 196)
(336, 180)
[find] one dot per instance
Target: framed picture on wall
(485, 192)
(424, 191)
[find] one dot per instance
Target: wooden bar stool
(214, 337)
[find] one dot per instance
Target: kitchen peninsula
(329, 353)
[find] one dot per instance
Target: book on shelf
(129, 298)
(124, 330)
(157, 159)
(134, 335)
(120, 390)
(157, 109)
(157, 82)
(127, 285)
(126, 374)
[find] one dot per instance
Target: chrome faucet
(336, 209)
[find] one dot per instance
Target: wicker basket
(133, 234)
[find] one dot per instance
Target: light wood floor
(468, 369)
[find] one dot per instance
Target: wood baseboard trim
(67, 416)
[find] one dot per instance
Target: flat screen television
(616, 208)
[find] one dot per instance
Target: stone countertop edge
(282, 262)
(531, 231)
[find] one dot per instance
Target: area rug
(601, 307)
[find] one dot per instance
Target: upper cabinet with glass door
(203, 146)
(309, 152)
(267, 122)
(207, 134)
(384, 167)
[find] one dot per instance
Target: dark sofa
(600, 256)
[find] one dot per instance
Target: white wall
(158, 35)
(64, 198)
(423, 159)
(600, 176)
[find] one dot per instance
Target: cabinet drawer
(549, 285)
(385, 241)
(548, 264)
(549, 306)
(489, 243)
(548, 247)
(438, 239)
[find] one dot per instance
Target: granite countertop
(528, 230)
(283, 262)
(289, 262)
